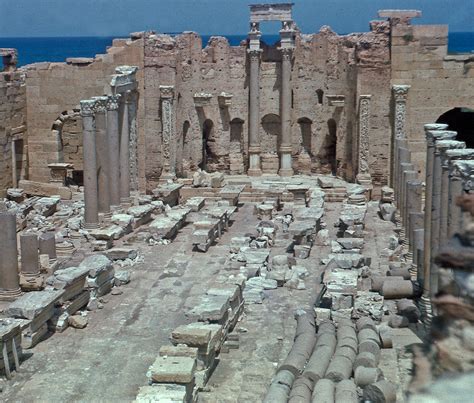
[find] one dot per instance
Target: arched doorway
(460, 120)
(327, 154)
(208, 141)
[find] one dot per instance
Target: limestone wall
(54, 88)
(12, 125)
(439, 82)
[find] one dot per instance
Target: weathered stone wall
(12, 125)
(54, 88)
(439, 82)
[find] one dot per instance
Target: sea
(57, 49)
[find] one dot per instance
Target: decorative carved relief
(400, 93)
(364, 122)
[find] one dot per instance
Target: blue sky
(120, 17)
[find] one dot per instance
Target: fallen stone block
(162, 393)
(78, 321)
(122, 277)
(172, 369)
(96, 264)
(32, 304)
(121, 253)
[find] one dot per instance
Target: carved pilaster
(400, 93)
(363, 176)
(113, 102)
(167, 95)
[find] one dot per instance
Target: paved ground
(108, 360)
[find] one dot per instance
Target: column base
(426, 309)
(364, 179)
(90, 225)
(126, 202)
(286, 172)
(413, 270)
(10, 295)
(31, 281)
(254, 172)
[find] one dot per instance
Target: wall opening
(327, 154)
(208, 142)
(271, 138)
(236, 135)
(460, 120)
(182, 154)
(320, 95)
(306, 136)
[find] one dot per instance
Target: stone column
(430, 131)
(440, 144)
(91, 206)
(168, 140)
(113, 136)
(125, 152)
(415, 222)
(455, 188)
(132, 114)
(254, 113)
(363, 175)
(444, 147)
(30, 270)
(418, 248)
(47, 245)
(408, 175)
(460, 182)
(399, 144)
(102, 151)
(9, 279)
(285, 114)
(14, 167)
(400, 93)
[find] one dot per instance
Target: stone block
(121, 253)
(172, 393)
(172, 369)
(32, 304)
(97, 264)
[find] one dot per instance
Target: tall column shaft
(132, 116)
(435, 216)
(254, 115)
(47, 245)
(363, 172)
(408, 175)
(113, 137)
(102, 150)
(14, 165)
(168, 138)
(91, 206)
(285, 114)
(454, 214)
(29, 247)
(9, 279)
(125, 154)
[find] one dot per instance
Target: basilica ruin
(288, 222)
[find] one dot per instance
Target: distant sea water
(57, 49)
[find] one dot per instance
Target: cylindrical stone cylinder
(435, 223)
(102, 151)
(339, 368)
(404, 156)
(113, 137)
(379, 281)
(413, 202)
(9, 279)
(323, 391)
(365, 359)
(399, 272)
(366, 323)
(285, 105)
(381, 391)
(318, 363)
(254, 107)
(364, 376)
(454, 214)
(301, 391)
(91, 206)
(399, 143)
(398, 289)
(47, 245)
(29, 247)
(415, 223)
(346, 391)
(125, 153)
(407, 175)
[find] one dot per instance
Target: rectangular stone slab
(32, 304)
(172, 369)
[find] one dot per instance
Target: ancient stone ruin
(252, 223)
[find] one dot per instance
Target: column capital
(443, 146)
(254, 54)
(365, 97)
(100, 105)
(87, 107)
(286, 52)
(463, 170)
(460, 154)
(167, 91)
(433, 136)
(435, 126)
(400, 92)
(113, 102)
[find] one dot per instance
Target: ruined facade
(322, 83)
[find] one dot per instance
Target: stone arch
(460, 120)
(327, 153)
(320, 96)
(67, 133)
(271, 136)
